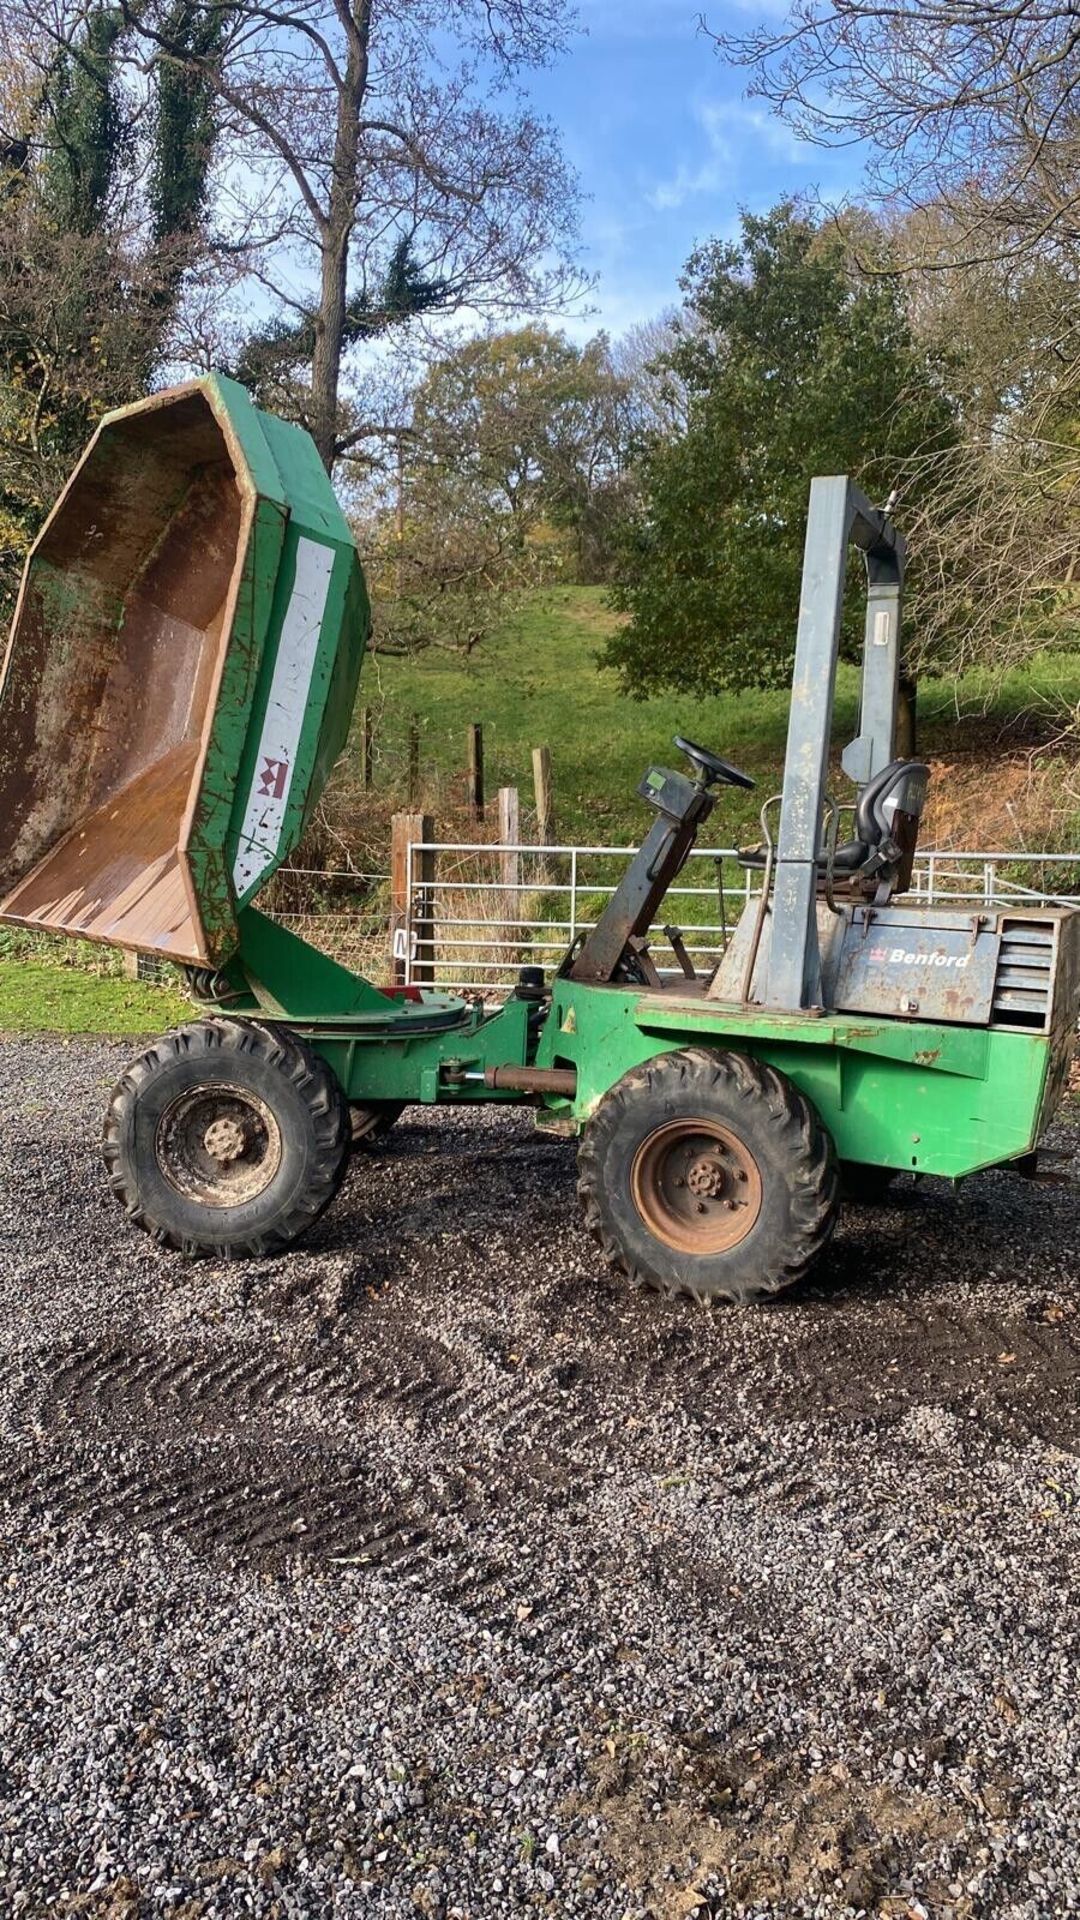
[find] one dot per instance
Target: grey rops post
(840, 514)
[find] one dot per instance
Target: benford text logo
(896, 957)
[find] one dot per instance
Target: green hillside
(537, 683)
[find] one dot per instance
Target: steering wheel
(711, 766)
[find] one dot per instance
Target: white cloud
(732, 130)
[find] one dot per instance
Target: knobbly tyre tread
(754, 1089)
(284, 1053)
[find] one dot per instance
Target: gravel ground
(428, 1571)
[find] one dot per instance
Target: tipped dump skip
(138, 673)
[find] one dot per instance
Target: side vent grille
(1022, 983)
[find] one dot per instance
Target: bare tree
(996, 539)
(972, 105)
(370, 174)
(970, 112)
(640, 358)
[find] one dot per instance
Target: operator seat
(878, 860)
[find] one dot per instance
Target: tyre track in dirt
(265, 1457)
(878, 1332)
(384, 1450)
(338, 1429)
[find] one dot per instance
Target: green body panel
(904, 1094)
(381, 1046)
(291, 979)
(907, 1094)
(290, 478)
(407, 1063)
(211, 848)
(247, 426)
(939, 1099)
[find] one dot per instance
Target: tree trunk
(329, 338)
(906, 741)
(335, 238)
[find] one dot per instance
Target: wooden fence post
(476, 771)
(407, 829)
(509, 835)
(365, 748)
(509, 806)
(545, 806)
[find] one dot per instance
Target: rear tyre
(708, 1173)
(226, 1137)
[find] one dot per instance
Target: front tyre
(708, 1173)
(226, 1137)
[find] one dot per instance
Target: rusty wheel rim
(696, 1186)
(218, 1145)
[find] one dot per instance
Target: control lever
(678, 947)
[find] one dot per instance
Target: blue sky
(667, 148)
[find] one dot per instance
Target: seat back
(887, 818)
(898, 788)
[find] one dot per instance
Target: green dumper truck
(178, 684)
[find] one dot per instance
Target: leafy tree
(88, 288)
(79, 325)
(445, 583)
(966, 112)
(510, 467)
(788, 366)
(186, 119)
(534, 430)
(86, 134)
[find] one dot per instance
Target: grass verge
(39, 997)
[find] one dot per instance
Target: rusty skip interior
(113, 665)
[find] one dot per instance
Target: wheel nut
(705, 1177)
(224, 1140)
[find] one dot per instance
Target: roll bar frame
(840, 516)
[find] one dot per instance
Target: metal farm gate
(474, 914)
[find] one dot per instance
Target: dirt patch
(767, 1827)
(998, 799)
(434, 1557)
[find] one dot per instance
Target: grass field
(538, 683)
(47, 996)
